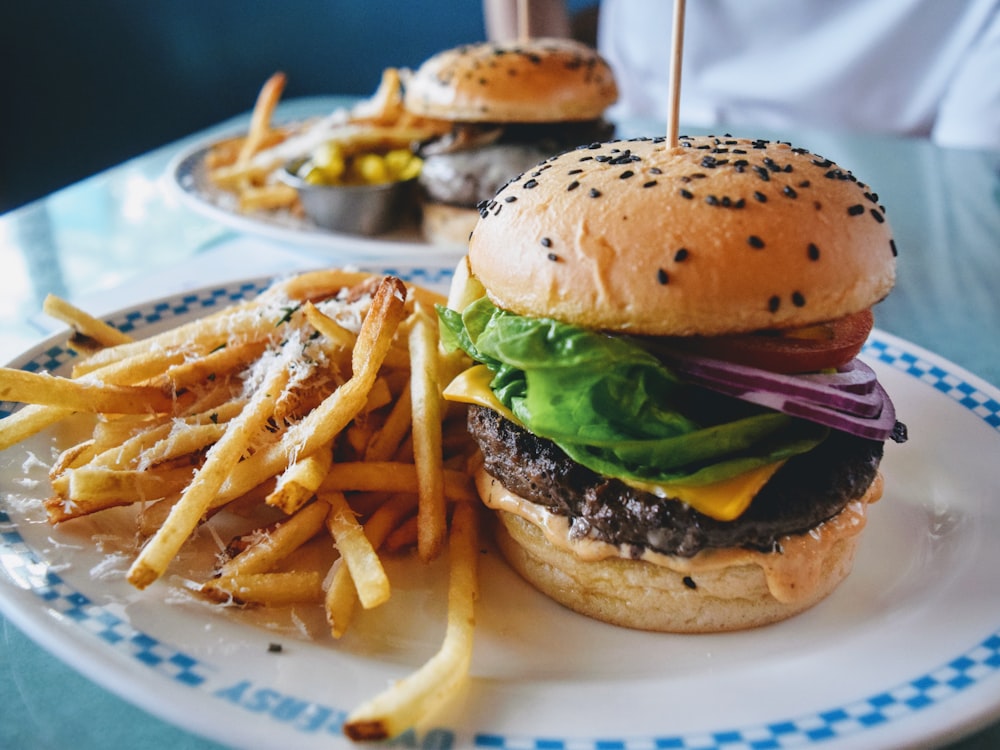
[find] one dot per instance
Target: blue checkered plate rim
(906, 652)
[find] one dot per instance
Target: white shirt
(913, 67)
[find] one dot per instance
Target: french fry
(161, 440)
(272, 589)
(356, 552)
(299, 482)
(329, 327)
(95, 488)
(27, 421)
(425, 396)
(187, 513)
(112, 431)
(278, 543)
(403, 536)
(342, 594)
(267, 197)
(420, 694)
(384, 443)
(260, 119)
(48, 390)
(214, 364)
(147, 357)
(83, 323)
(225, 152)
(320, 284)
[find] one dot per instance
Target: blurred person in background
(927, 68)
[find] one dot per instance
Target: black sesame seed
(510, 199)
(755, 242)
(595, 193)
(856, 210)
(626, 174)
(686, 194)
(573, 185)
(530, 184)
(877, 216)
(681, 255)
(798, 300)
(789, 191)
(689, 582)
(662, 277)
(649, 183)
(892, 246)
(813, 251)
(762, 173)
(711, 200)
(655, 170)
(759, 197)
(774, 303)
(553, 257)
(546, 242)
(274, 648)
(575, 171)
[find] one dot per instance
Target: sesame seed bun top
(538, 80)
(716, 235)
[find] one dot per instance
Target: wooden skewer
(523, 25)
(677, 53)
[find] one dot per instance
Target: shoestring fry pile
(247, 165)
(315, 406)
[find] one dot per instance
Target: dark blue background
(86, 84)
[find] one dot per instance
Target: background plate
(905, 652)
(187, 179)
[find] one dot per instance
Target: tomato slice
(808, 349)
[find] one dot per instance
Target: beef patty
(808, 489)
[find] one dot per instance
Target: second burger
(512, 105)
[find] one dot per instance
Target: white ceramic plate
(187, 179)
(905, 652)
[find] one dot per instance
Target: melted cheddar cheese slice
(724, 501)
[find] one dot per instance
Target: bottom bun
(447, 225)
(706, 598)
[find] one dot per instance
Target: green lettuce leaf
(612, 406)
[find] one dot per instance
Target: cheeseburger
(676, 432)
(511, 105)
